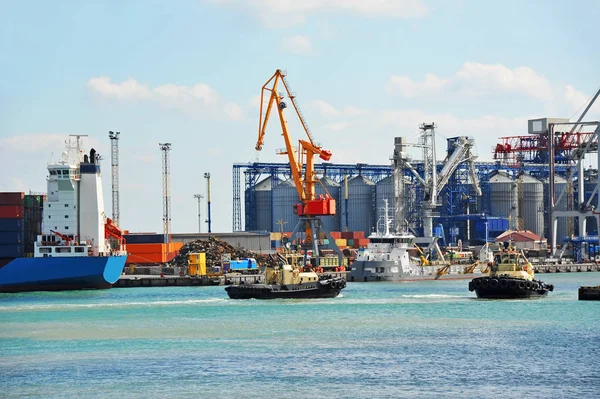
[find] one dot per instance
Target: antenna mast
(114, 162)
(166, 148)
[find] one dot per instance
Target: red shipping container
(11, 198)
(336, 235)
(347, 235)
(11, 211)
(362, 242)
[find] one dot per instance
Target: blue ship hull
(60, 273)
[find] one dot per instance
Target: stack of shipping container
(343, 239)
(150, 248)
(20, 223)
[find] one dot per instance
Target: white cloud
(234, 111)
(299, 45)
(132, 90)
(325, 109)
(578, 101)
(485, 78)
(339, 126)
(200, 92)
(283, 13)
(476, 79)
(410, 88)
(129, 89)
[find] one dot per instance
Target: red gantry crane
(301, 163)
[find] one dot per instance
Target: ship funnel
(92, 156)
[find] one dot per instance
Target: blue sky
(190, 73)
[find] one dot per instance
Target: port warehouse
(514, 196)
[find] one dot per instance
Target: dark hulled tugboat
(511, 277)
(287, 282)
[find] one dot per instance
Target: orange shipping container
(336, 235)
(147, 248)
(146, 258)
(358, 234)
(175, 246)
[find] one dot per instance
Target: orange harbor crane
(301, 161)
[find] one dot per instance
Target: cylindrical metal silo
(531, 204)
(360, 205)
(264, 206)
(285, 197)
(504, 198)
(331, 223)
(384, 190)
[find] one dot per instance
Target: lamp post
(199, 197)
(207, 177)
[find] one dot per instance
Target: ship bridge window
(79, 249)
(65, 172)
(66, 227)
(45, 250)
(63, 250)
(66, 205)
(66, 216)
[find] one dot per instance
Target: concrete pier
(565, 267)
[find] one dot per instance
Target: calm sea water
(377, 340)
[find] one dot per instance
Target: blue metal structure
(456, 195)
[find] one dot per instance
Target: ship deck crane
(112, 230)
(301, 163)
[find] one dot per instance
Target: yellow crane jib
(300, 160)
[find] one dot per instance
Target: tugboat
(511, 277)
(589, 293)
(285, 282)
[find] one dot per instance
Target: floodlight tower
(207, 177)
(199, 197)
(114, 162)
(166, 171)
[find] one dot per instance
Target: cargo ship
(71, 249)
(387, 258)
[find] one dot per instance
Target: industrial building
(515, 189)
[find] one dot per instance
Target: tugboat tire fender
(503, 283)
(512, 284)
(522, 284)
(528, 285)
(493, 283)
(334, 284)
(485, 283)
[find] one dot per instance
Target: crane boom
(309, 205)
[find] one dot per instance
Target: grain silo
(263, 202)
(361, 215)
(331, 223)
(384, 190)
(285, 197)
(504, 198)
(531, 203)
